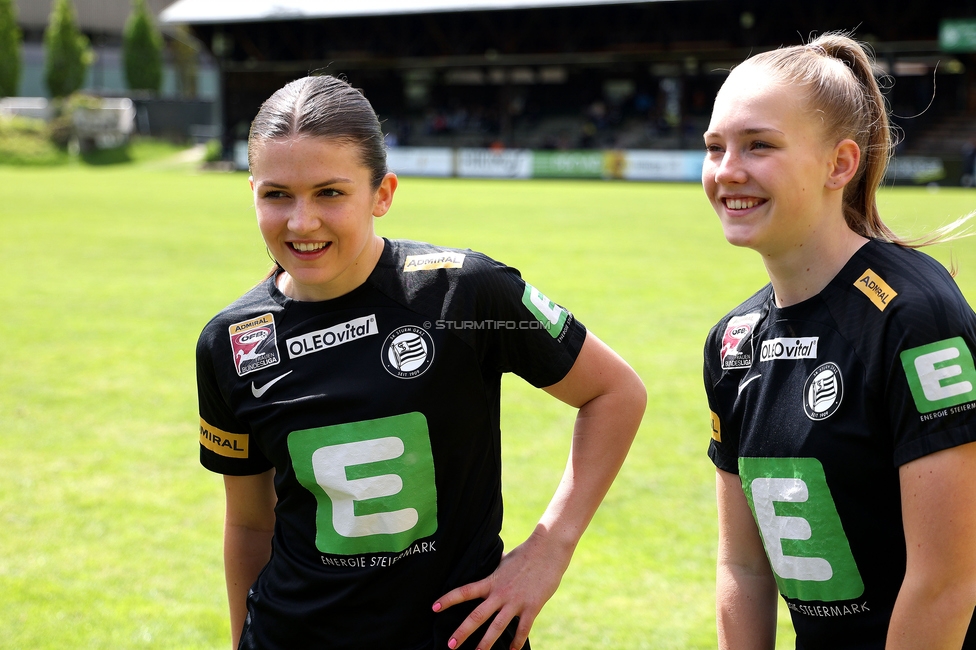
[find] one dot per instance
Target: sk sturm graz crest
(407, 352)
(736, 349)
(823, 392)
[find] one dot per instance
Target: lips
(742, 203)
(308, 247)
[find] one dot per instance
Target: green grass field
(110, 531)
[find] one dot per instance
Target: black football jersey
(816, 405)
(379, 411)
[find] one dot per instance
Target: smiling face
(768, 171)
(315, 208)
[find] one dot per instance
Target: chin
(737, 237)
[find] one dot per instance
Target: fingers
(477, 619)
(462, 594)
(478, 616)
(522, 632)
(497, 615)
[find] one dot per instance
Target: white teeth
(307, 248)
(741, 204)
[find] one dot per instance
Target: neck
(805, 270)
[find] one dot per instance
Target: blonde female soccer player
(843, 393)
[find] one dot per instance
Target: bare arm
(936, 600)
(745, 590)
(611, 400)
(248, 527)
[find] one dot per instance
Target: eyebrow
(326, 183)
(749, 131)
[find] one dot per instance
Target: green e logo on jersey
(801, 530)
(373, 482)
(551, 315)
(940, 374)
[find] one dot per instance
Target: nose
(304, 218)
(729, 169)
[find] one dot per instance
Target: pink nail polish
(452, 644)
(437, 607)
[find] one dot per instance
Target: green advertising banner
(567, 164)
(958, 35)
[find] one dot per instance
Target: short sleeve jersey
(379, 411)
(816, 405)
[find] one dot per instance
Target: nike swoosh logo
(258, 392)
(743, 384)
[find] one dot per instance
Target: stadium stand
(568, 74)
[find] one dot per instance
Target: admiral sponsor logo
(716, 426)
(433, 261)
(331, 337)
(254, 344)
(407, 352)
(823, 392)
(737, 349)
(800, 348)
(231, 445)
(872, 286)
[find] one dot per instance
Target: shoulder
(415, 269)
(741, 320)
(899, 284)
(729, 345)
(253, 310)
(905, 271)
(422, 258)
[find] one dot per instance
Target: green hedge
(27, 141)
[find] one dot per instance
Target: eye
(330, 192)
(713, 148)
(273, 194)
(759, 144)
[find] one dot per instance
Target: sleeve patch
(230, 445)
(872, 286)
(716, 427)
(552, 316)
(940, 375)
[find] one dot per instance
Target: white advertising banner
(421, 161)
(240, 155)
(662, 165)
(487, 163)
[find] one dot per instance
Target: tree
(142, 50)
(68, 51)
(10, 58)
